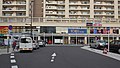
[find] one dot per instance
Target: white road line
(52, 60)
(12, 57)
(14, 66)
(53, 57)
(12, 53)
(13, 61)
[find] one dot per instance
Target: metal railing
(58, 20)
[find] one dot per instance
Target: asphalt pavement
(5, 61)
(66, 57)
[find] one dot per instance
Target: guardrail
(58, 20)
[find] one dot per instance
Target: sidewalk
(109, 54)
(4, 51)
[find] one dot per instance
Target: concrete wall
(38, 8)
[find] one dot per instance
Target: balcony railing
(68, 20)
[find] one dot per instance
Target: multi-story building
(63, 21)
(14, 8)
(81, 9)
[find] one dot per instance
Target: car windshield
(25, 40)
(102, 41)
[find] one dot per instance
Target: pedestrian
(14, 45)
(17, 47)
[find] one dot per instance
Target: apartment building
(82, 8)
(14, 8)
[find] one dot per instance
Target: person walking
(14, 45)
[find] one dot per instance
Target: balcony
(61, 3)
(51, 2)
(14, 9)
(51, 7)
(21, 14)
(51, 13)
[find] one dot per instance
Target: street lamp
(31, 15)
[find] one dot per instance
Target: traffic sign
(10, 27)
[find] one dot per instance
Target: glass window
(25, 40)
(48, 29)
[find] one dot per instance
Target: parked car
(98, 44)
(115, 46)
(35, 45)
(41, 43)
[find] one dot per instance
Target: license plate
(25, 48)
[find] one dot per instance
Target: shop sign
(97, 24)
(95, 31)
(3, 29)
(89, 24)
(77, 31)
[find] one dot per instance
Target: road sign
(10, 27)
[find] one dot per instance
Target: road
(67, 57)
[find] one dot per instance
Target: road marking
(53, 57)
(14, 66)
(13, 61)
(54, 54)
(52, 60)
(12, 53)
(12, 57)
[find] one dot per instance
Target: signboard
(97, 24)
(3, 29)
(89, 24)
(77, 31)
(95, 31)
(10, 27)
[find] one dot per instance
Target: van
(25, 44)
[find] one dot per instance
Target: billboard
(77, 31)
(3, 29)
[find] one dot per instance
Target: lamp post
(31, 16)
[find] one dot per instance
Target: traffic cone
(105, 50)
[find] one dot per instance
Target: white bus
(25, 43)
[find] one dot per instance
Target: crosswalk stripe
(12, 57)
(14, 66)
(13, 61)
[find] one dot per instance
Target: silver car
(98, 44)
(41, 43)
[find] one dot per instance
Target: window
(48, 29)
(25, 40)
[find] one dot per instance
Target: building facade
(62, 21)
(81, 8)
